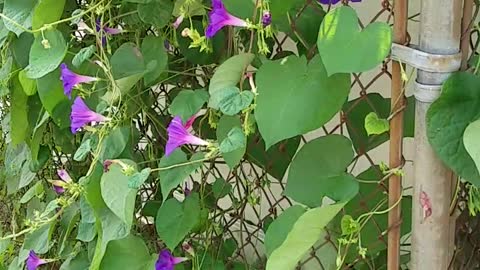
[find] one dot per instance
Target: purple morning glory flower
(64, 177)
(33, 261)
(106, 30)
(82, 115)
(219, 17)
(179, 135)
(266, 18)
(333, 2)
(166, 261)
(71, 79)
(178, 21)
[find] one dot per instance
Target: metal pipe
(400, 10)
(432, 192)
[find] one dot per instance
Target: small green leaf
(349, 225)
(225, 126)
(324, 174)
(175, 219)
(235, 140)
(45, 59)
(116, 193)
(345, 48)
(83, 55)
(304, 234)
(157, 12)
(228, 75)
(19, 11)
(277, 231)
(139, 178)
(187, 103)
(231, 101)
(471, 141)
(83, 151)
(375, 125)
(33, 191)
(171, 178)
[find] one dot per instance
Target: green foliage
(323, 173)
(176, 219)
(447, 119)
(253, 102)
(345, 49)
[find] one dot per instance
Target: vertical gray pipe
(432, 239)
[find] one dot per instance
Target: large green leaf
(175, 219)
(447, 119)
(47, 11)
(44, 59)
(19, 11)
(153, 50)
(303, 235)
(50, 91)
(130, 253)
(281, 226)
(289, 92)
(470, 140)
(116, 193)
(227, 75)
(187, 103)
(225, 125)
(322, 173)
(157, 13)
(241, 8)
(357, 110)
(345, 48)
(171, 178)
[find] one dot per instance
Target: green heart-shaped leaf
(447, 119)
(324, 174)
(176, 219)
(288, 94)
(225, 126)
(375, 125)
(187, 103)
(232, 101)
(46, 54)
(345, 48)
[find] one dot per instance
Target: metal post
(400, 10)
(431, 233)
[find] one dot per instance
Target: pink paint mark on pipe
(426, 205)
